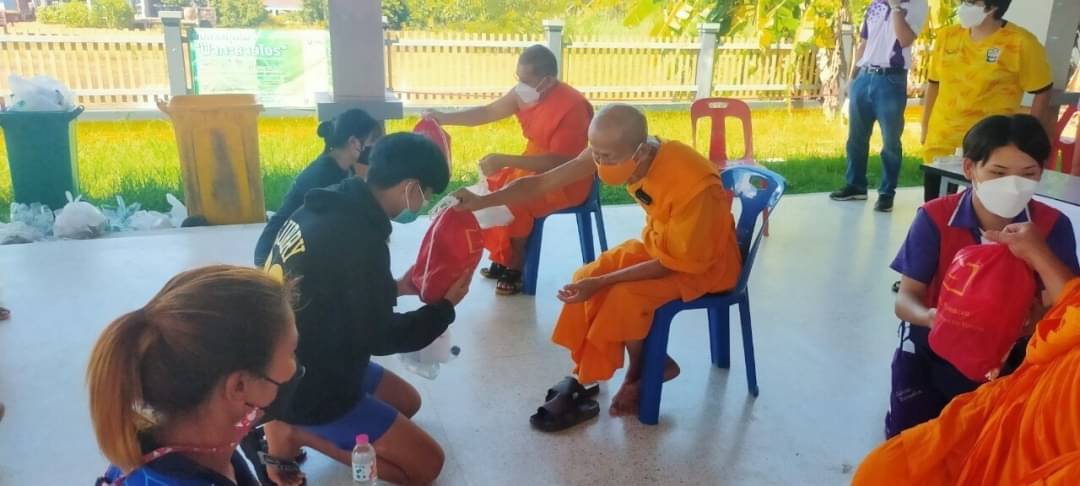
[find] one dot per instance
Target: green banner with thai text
(282, 68)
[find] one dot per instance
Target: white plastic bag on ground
(149, 220)
(36, 216)
(39, 93)
(18, 232)
(178, 213)
(79, 220)
(118, 216)
(427, 361)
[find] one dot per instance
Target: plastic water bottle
(363, 463)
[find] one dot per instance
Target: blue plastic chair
(758, 189)
(590, 207)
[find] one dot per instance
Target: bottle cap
(362, 439)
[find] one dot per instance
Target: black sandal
(568, 407)
(494, 272)
(570, 385)
(510, 283)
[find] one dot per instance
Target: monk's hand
(467, 201)
(581, 290)
(493, 163)
(1023, 239)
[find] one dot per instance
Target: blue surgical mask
(408, 214)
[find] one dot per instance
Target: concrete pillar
(174, 53)
(553, 33)
(357, 61)
(706, 59)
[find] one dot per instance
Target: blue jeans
(881, 98)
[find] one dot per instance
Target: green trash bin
(41, 155)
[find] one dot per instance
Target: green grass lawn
(139, 160)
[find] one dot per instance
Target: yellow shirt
(980, 79)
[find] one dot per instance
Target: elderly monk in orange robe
(555, 120)
(687, 249)
(1018, 430)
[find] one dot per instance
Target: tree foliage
(808, 22)
(240, 13)
(112, 14)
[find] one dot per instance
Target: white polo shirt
(882, 48)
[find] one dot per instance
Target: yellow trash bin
(218, 137)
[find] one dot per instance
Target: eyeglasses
(298, 374)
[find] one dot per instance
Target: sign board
(282, 68)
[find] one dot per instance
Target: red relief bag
(451, 248)
(985, 300)
(434, 132)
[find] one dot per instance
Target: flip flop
(565, 410)
(571, 385)
(493, 272)
(510, 283)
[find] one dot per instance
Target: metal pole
(174, 53)
(553, 31)
(706, 59)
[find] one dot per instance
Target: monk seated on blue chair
(687, 249)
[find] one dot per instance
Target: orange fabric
(1021, 429)
(557, 125)
(688, 228)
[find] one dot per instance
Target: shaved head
(617, 130)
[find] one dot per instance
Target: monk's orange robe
(556, 125)
(688, 228)
(1020, 429)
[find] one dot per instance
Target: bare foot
(671, 370)
(625, 401)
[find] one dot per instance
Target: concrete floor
(823, 324)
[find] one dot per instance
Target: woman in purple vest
(1003, 157)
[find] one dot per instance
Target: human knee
(410, 402)
(428, 469)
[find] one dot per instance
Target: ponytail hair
(165, 359)
(352, 123)
(115, 386)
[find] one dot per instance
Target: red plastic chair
(719, 110)
(1062, 150)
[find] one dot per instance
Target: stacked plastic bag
(39, 93)
(79, 219)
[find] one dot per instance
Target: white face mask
(1006, 196)
(528, 94)
(971, 15)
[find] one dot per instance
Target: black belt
(883, 71)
